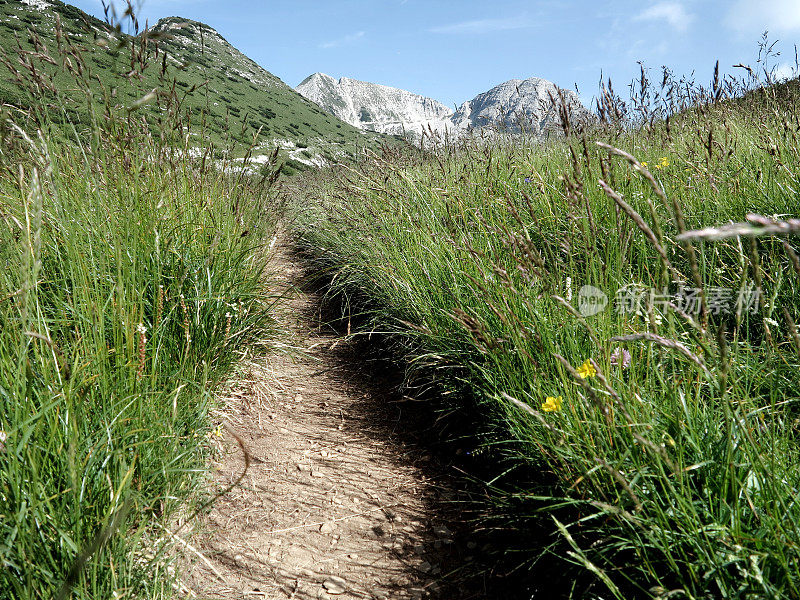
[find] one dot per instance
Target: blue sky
(452, 50)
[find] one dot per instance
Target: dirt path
(337, 503)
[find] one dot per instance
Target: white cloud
(756, 16)
(784, 71)
(671, 12)
(343, 41)
(482, 26)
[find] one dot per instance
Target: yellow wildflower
(644, 163)
(552, 404)
(587, 369)
(663, 163)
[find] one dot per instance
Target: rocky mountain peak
(529, 105)
(373, 106)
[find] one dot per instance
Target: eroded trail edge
(336, 502)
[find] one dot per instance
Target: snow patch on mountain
(37, 4)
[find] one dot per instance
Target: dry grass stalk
(757, 225)
(642, 225)
(666, 343)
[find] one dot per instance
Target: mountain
(229, 96)
(516, 105)
(374, 107)
(530, 105)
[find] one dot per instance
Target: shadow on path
(347, 495)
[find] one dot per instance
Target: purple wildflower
(621, 358)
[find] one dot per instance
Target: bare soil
(338, 501)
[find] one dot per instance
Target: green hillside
(228, 97)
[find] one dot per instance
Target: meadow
(610, 316)
(629, 383)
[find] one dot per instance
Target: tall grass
(674, 473)
(131, 276)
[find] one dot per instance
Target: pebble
(327, 528)
(442, 531)
(425, 566)
(335, 585)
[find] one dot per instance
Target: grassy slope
(113, 331)
(225, 92)
(670, 477)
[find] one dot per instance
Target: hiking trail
(338, 501)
